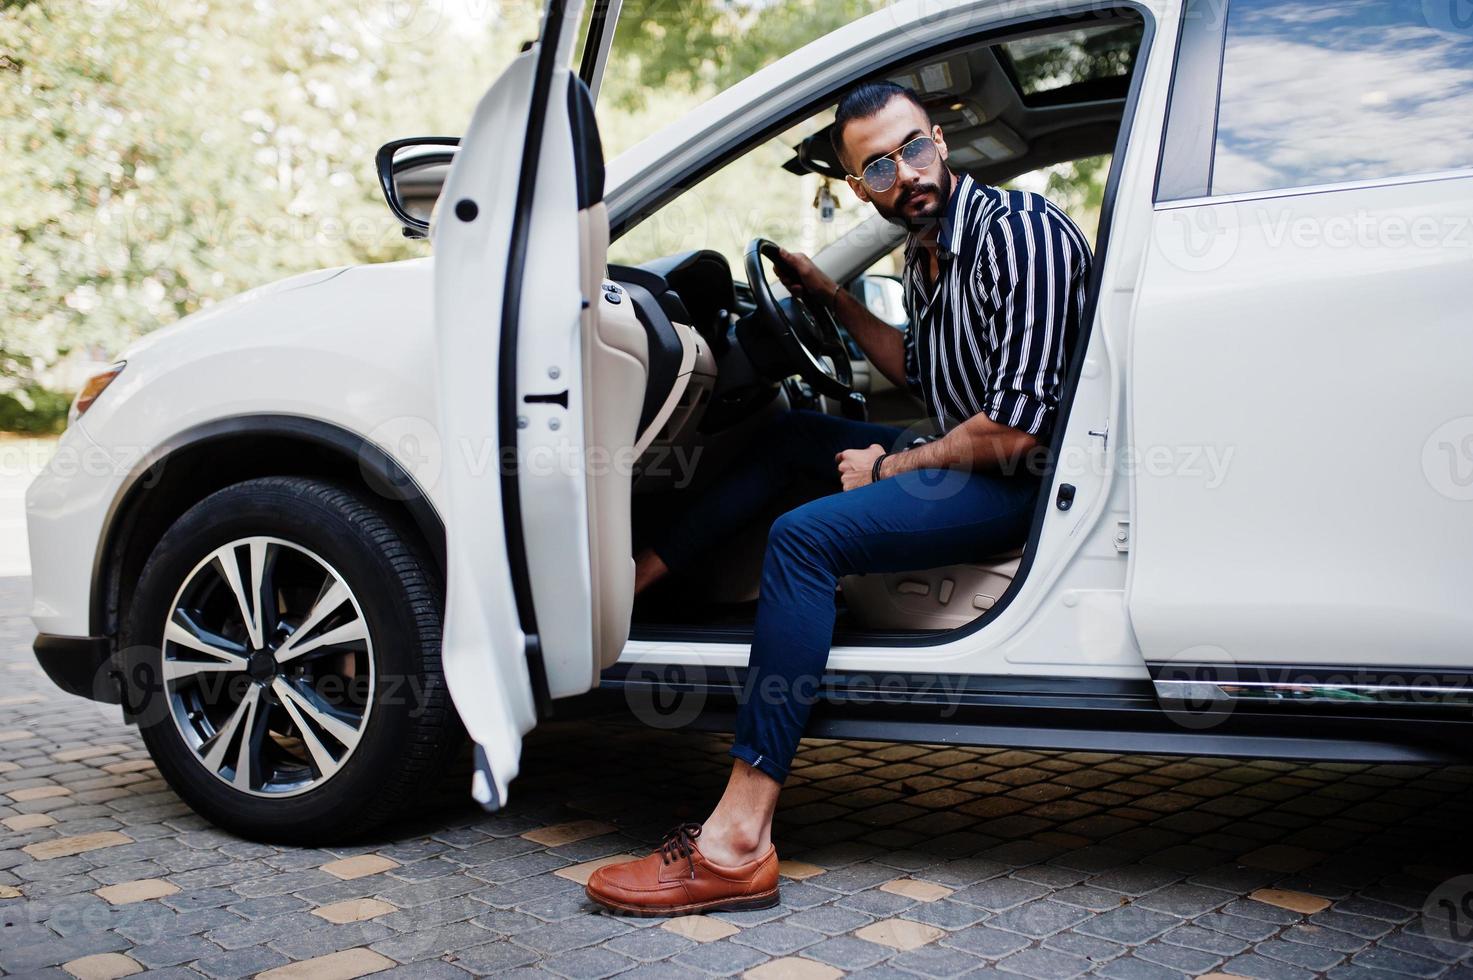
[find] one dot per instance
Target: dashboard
(692, 287)
(711, 364)
(694, 291)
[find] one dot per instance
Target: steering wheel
(805, 332)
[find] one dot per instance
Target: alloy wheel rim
(268, 666)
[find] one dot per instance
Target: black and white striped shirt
(993, 332)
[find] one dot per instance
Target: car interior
(722, 361)
(726, 348)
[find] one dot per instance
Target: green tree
(713, 44)
(159, 155)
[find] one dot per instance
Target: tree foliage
(712, 44)
(163, 154)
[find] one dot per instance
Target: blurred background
(162, 155)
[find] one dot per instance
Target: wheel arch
(195, 462)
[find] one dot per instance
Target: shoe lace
(680, 842)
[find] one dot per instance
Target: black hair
(863, 101)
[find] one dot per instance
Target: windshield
(751, 197)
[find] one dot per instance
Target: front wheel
(282, 656)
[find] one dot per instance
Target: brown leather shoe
(678, 880)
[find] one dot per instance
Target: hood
(228, 307)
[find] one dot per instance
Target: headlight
(95, 386)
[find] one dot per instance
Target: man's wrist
(832, 296)
(875, 476)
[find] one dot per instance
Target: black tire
(408, 729)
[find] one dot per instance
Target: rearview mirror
(883, 296)
(411, 173)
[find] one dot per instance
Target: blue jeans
(920, 519)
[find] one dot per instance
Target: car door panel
(484, 650)
(1290, 379)
(539, 570)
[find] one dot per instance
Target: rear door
(541, 377)
(1300, 411)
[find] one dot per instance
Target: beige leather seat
(615, 371)
(930, 599)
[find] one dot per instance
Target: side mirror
(411, 173)
(884, 296)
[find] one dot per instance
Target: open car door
(542, 369)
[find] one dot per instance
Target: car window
(1077, 186)
(752, 196)
(885, 301)
(1317, 92)
(1071, 60)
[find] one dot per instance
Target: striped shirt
(992, 334)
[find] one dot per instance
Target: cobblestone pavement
(899, 860)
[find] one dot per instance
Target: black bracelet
(874, 474)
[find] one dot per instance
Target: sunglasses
(881, 174)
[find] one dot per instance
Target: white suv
(308, 535)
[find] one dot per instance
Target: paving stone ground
(901, 860)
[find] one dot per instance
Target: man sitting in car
(995, 286)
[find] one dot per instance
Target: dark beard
(922, 222)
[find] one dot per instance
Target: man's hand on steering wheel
(804, 327)
(803, 279)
